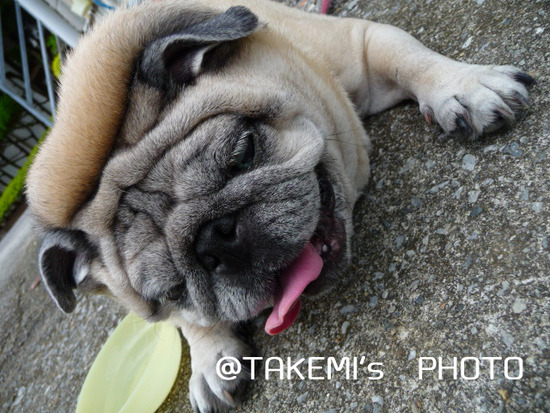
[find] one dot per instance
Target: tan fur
(93, 97)
(92, 101)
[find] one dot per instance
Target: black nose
(221, 246)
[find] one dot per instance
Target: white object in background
(81, 7)
(51, 20)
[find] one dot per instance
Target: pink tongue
(294, 280)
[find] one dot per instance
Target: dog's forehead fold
(98, 72)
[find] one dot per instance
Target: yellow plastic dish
(135, 369)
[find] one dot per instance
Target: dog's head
(190, 172)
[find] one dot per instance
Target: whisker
(343, 198)
(344, 132)
(347, 143)
(205, 334)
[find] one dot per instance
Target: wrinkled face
(222, 195)
(220, 216)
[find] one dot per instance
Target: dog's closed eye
(242, 158)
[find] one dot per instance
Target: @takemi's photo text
(359, 368)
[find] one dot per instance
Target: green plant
(51, 43)
(9, 110)
(56, 66)
(15, 188)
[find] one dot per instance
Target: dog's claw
(429, 116)
(524, 79)
(521, 100)
(229, 398)
(463, 127)
(505, 117)
(482, 99)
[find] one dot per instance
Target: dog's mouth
(329, 237)
(305, 273)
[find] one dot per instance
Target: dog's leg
(462, 98)
(208, 392)
(380, 65)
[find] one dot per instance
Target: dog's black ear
(179, 58)
(64, 262)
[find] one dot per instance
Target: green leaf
(135, 369)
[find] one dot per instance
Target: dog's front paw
(208, 390)
(470, 100)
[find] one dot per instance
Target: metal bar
(13, 81)
(46, 64)
(24, 61)
(51, 20)
(2, 62)
(44, 119)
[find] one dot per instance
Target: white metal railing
(18, 85)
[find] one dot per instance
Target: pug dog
(193, 174)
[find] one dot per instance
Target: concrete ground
(451, 258)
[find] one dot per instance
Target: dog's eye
(243, 155)
(176, 292)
